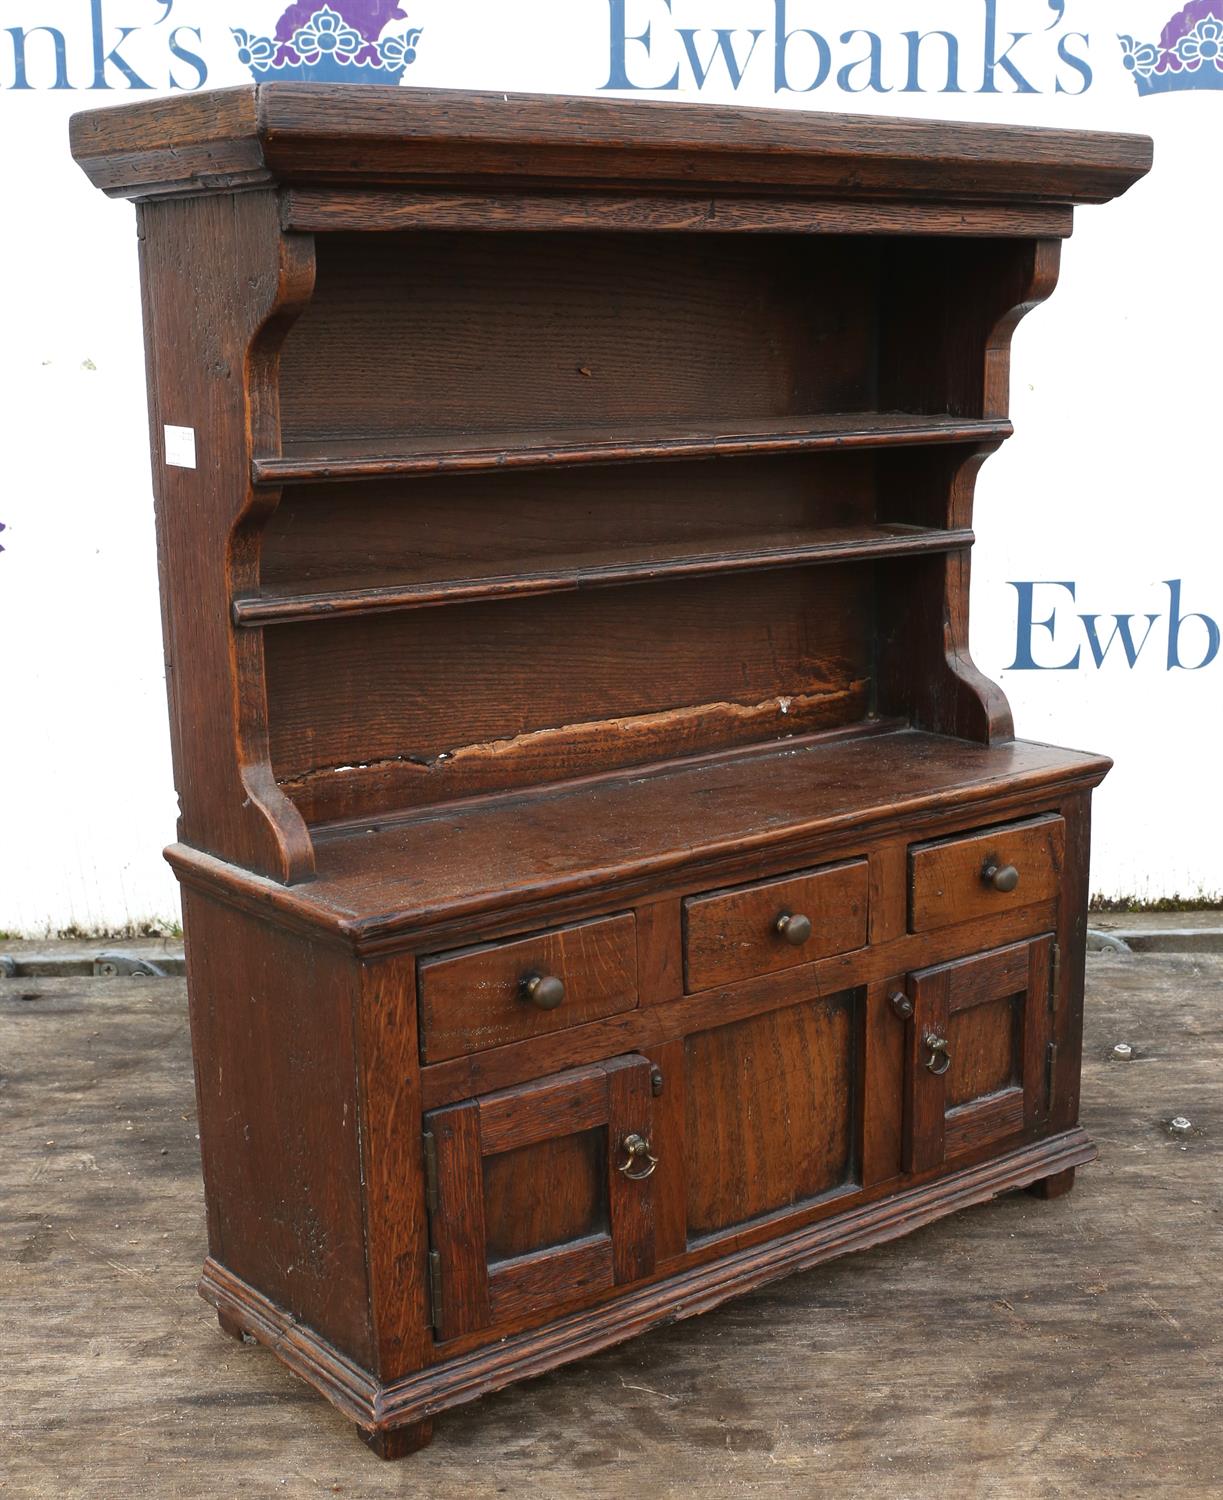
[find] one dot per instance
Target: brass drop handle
(939, 1053)
(544, 990)
(637, 1154)
(1001, 877)
(794, 927)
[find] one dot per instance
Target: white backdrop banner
(1097, 592)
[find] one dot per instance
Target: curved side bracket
(214, 325)
(961, 364)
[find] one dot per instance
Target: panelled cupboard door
(540, 1194)
(976, 1057)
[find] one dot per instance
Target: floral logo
(340, 43)
(1189, 54)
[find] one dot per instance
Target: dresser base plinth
(384, 1411)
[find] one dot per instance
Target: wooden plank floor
(1020, 1350)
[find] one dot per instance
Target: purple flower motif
(369, 17)
(1204, 44)
(326, 34)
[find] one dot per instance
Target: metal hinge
(1055, 981)
(435, 1289)
(1050, 1069)
(431, 1172)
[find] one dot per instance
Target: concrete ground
(1022, 1349)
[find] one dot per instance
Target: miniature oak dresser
(608, 883)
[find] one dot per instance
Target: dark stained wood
(553, 1106)
(392, 1162)
(518, 1222)
(660, 958)
(379, 882)
(397, 1442)
(476, 998)
(283, 1172)
(573, 579)
(457, 1232)
(512, 1257)
(993, 1012)
(764, 551)
(769, 1112)
(462, 452)
(1056, 1186)
(631, 1198)
(517, 1062)
(947, 878)
(670, 1178)
(468, 339)
(315, 211)
(311, 133)
(197, 331)
(402, 710)
(883, 1075)
(733, 934)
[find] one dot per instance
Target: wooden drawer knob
(794, 927)
(544, 990)
(1001, 877)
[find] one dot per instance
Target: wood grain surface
(474, 998)
(732, 934)
(946, 1354)
(310, 132)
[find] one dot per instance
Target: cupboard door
(770, 1114)
(540, 1195)
(976, 1052)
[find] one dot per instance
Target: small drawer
(775, 924)
(475, 998)
(984, 874)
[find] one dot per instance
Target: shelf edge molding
(377, 458)
(270, 608)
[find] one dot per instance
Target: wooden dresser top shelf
(381, 457)
(632, 563)
(388, 878)
(344, 137)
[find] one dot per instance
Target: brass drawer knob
(794, 927)
(1001, 877)
(544, 990)
(638, 1163)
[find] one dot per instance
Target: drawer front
(985, 874)
(484, 997)
(752, 929)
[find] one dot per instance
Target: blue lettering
(993, 60)
(100, 58)
(618, 78)
(1176, 620)
(191, 58)
(1080, 64)
(1026, 623)
(912, 84)
(873, 60)
(1120, 628)
(723, 45)
(823, 54)
(20, 77)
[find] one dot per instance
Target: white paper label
(180, 446)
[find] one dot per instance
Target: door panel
(770, 1112)
(534, 1198)
(975, 1052)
